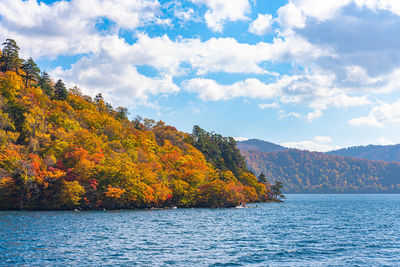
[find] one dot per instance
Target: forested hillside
(259, 145)
(60, 149)
(371, 152)
(313, 172)
(220, 151)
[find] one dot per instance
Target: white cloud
(69, 27)
(358, 74)
(240, 139)
(366, 121)
(211, 56)
(262, 25)
(210, 90)
(323, 139)
(180, 11)
(318, 143)
(227, 55)
(362, 54)
(389, 5)
(312, 90)
(321, 10)
(297, 13)
(290, 16)
(185, 14)
(111, 72)
(167, 56)
(357, 33)
(384, 141)
(384, 115)
(283, 114)
(341, 52)
(311, 116)
(220, 11)
(271, 105)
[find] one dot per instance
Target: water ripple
(317, 230)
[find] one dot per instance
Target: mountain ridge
(386, 153)
(259, 145)
(303, 171)
(315, 172)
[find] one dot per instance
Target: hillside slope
(60, 149)
(259, 145)
(371, 152)
(312, 172)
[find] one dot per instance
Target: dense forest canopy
(314, 172)
(60, 149)
(220, 151)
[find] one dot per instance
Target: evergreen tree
(45, 83)
(60, 91)
(262, 178)
(277, 190)
(220, 151)
(9, 59)
(31, 71)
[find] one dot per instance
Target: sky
(309, 74)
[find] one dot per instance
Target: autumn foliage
(79, 152)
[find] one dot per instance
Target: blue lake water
(305, 230)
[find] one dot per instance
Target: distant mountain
(362, 169)
(314, 172)
(371, 152)
(259, 145)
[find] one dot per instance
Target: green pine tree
(31, 71)
(9, 59)
(45, 83)
(262, 178)
(60, 91)
(277, 191)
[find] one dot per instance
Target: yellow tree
(71, 194)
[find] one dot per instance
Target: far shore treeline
(60, 149)
(355, 170)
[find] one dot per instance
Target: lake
(304, 230)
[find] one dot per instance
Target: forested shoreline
(61, 149)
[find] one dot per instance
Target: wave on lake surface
(304, 230)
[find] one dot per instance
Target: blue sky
(310, 74)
